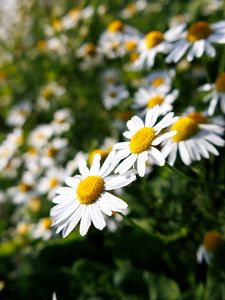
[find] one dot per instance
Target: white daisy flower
(197, 40)
(193, 139)
(42, 230)
(160, 80)
(133, 8)
(149, 98)
(40, 135)
(113, 95)
(211, 242)
(19, 114)
(62, 121)
(144, 140)
(53, 152)
(48, 93)
(111, 42)
(49, 183)
(153, 43)
(86, 198)
(216, 94)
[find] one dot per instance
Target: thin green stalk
(222, 63)
(175, 170)
(206, 70)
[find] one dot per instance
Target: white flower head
(196, 40)
(87, 197)
(144, 140)
(113, 95)
(194, 139)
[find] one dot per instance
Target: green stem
(175, 170)
(206, 71)
(222, 63)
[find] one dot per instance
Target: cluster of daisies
(154, 136)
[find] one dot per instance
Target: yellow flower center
(32, 151)
(134, 56)
(74, 12)
(89, 189)
(23, 228)
(34, 204)
(130, 45)
(197, 117)
(41, 45)
(157, 81)
(51, 152)
(53, 182)
(24, 187)
(212, 240)
(90, 49)
(156, 100)
(220, 83)
(131, 8)
(102, 152)
(153, 38)
(47, 93)
(57, 24)
(46, 223)
(115, 26)
(198, 31)
(113, 94)
(186, 128)
(141, 140)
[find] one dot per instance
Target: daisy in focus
(212, 240)
(149, 98)
(194, 139)
(196, 40)
(86, 197)
(144, 141)
(216, 94)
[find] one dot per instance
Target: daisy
(160, 80)
(216, 94)
(49, 92)
(53, 152)
(144, 140)
(193, 139)
(86, 198)
(19, 114)
(153, 43)
(113, 95)
(149, 98)
(62, 121)
(197, 40)
(133, 8)
(40, 135)
(42, 230)
(211, 242)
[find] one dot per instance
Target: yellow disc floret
(198, 31)
(53, 182)
(89, 189)
(198, 117)
(212, 240)
(153, 38)
(186, 128)
(115, 26)
(130, 45)
(102, 152)
(157, 81)
(156, 100)
(142, 140)
(220, 83)
(46, 223)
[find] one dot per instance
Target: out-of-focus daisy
(111, 42)
(40, 136)
(149, 98)
(197, 40)
(42, 230)
(24, 190)
(49, 92)
(49, 183)
(53, 152)
(160, 80)
(144, 140)
(19, 114)
(194, 139)
(23, 229)
(216, 94)
(153, 43)
(62, 121)
(133, 8)
(110, 77)
(212, 240)
(113, 95)
(89, 55)
(86, 198)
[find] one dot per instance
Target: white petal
(72, 182)
(115, 203)
(126, 164)
(73, 221)
(102, 202)
(96, 216)
(152, 116)
(157, 156)
(64, 191)
(138, 123)
(119, 181)
(184, 154)
(85, 222)
(128, 134)
(163, 137)
(95, 166)
(83, 169)
(141, 163)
